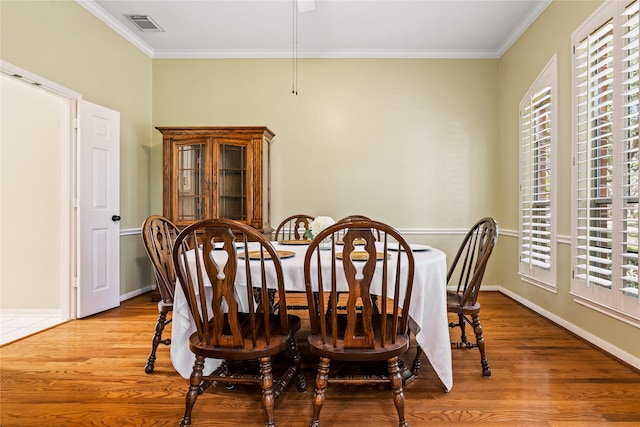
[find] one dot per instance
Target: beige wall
(411, 142)
(62, 42)
(518, 69)
(31, 211)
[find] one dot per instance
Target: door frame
(69, 232)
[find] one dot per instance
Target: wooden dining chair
(359, 336)
(466, 273)
(208, 278)
(293, 227)
(158, 236)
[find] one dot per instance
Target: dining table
(428, 307)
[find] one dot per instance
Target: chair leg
(415, 367)
(477, 329)
(266, 384)
(157, 339)
(294, 352)
(321, 387)
(396, 386)
(463, 334)
(316, 301)
(293, 370)
(193, 392)
(271, 295)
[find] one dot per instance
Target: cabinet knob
(115, 218)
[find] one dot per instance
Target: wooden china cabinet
(217, 172)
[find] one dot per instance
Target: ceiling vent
(145, 23)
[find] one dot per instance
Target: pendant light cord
(294, 49)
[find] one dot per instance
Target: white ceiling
(331, 29)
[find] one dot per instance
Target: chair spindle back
(470, 262)
(378, 281)
(226, 250)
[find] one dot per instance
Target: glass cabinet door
(232, 181)
(191, 190)
(217, 172)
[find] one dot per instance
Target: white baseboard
(135, 293)
(598, 342)
(58, 312)
(47, 312)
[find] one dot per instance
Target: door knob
(115, 218)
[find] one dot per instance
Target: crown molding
(522, 26)
(324, 54)
(93, 8)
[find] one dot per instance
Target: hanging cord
(294, 48)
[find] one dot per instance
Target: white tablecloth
(428, 311)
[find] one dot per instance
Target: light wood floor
(90, 373)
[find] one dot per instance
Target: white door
(99, 194)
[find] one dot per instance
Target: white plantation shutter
(629, 101)
(594, 154)
(537, 136)
(605, 261)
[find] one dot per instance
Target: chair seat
(165, 306)
(453, 304)
(377, 352)
(279, 340)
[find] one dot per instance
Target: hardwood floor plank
(90, 373)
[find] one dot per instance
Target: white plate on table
(415, 247)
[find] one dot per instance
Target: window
(605, 214)
(537, 144)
